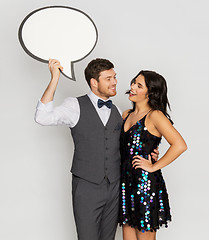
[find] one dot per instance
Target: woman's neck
(142, 108)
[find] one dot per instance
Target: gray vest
(97, 153)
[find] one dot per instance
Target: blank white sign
(58, 32)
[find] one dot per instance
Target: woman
(144, 199)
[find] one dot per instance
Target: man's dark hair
(95, 67)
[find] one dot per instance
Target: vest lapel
(94, 111)
(111, 116)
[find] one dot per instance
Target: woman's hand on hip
(145, 164)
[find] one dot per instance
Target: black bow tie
(108, 103)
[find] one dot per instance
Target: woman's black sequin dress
(144, 200)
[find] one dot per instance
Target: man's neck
(100, 95)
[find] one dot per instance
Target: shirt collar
(94, 98)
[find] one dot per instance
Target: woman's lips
(131, 93)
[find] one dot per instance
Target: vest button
(106, 138)
(106, 148)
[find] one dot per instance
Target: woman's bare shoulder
(125, 113)
(156, 114)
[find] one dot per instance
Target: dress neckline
(136, 124)
(132, 125)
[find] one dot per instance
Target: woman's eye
(133, 81)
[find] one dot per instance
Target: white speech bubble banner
(58, 32)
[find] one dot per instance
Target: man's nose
(114, 81)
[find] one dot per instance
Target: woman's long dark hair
(157, 92)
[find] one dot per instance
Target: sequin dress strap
(146, 115)
(127, 115)
(148, 112)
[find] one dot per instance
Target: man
(95, 126)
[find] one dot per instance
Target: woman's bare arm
(173, 137)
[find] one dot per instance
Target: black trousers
(95, 208)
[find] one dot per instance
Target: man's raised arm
(67, 113)
(54, 67)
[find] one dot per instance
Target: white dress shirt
(68, 112)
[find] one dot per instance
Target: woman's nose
(133, 86)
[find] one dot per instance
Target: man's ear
(93, 83)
